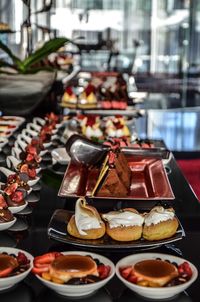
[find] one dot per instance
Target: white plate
(8, 282)
(18, 209)
(80, 290)
(18, 120)
(6, 225)
(61, 156)
(155, 293)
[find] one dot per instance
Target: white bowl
(8, 282)
(155, 292)
(6, 225)
(80, 290)
(18, 209)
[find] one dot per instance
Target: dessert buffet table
(34, 222)
(36, 241)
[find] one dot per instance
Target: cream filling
(157, 215)
(90, 132)
(83, 220)
(126, 218)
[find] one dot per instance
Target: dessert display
(86, 223)
(101, 91)
(124, 225)
(114, 177)
(70, 269)
(160, 223)
(13, 265)
(157, 273)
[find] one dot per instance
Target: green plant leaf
(48, 48)
(15, 59)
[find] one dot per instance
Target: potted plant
(24, 83)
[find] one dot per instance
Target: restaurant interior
(99, 150)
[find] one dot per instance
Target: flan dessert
(13, 265)
(124, 225)
(69, 98)
(86, 223)
(154, 273)
(115, 176)
(7, 265)
(160, 224)
(72, 269)
(66, 267)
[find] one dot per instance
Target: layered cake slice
(115, 176)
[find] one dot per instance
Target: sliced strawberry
(5, 272)
(132, 278)
(39, 271)
(31, 150)
(185, 268)
(103, 271)
(29, 157)
(10, 189)
(46, 258)
(3, 203)
(17, 196)
(125, 272)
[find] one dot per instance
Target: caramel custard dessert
(11, 265)
(7, 263)
(155, 273)
(67, 267)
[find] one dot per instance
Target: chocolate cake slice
(115, 176)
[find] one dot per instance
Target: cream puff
(86, 223)
(124, 225)
(160, 224)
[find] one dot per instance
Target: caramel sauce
(154, 268)
(73, 263)
(7, 261)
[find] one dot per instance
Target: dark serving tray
(57, 230)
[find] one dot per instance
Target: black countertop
(36, 241)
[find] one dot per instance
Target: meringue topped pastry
(155, 272)
(86, 223)
(159, 214)
(66, 267)
(160, 224)
(123, 218)
(124, 225)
